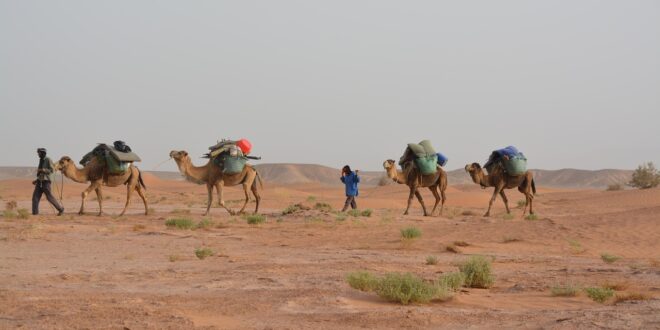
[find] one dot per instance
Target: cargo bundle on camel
(228, 166)
(106, 165)
(421, 168)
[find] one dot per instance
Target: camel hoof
(81, 213)
(486, 215)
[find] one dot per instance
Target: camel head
(473, 168)
(63, 163)
(389, 164)
(179, 155)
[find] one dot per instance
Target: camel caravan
(227, 165)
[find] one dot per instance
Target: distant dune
(311, 173)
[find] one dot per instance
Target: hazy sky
(571, 83)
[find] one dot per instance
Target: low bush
(202, 253)
(614, 187)
(599, 294)
(431, 260)
(406, 288)
(452, 281)
(255, 219)
(477, 271)
(609, 258)
(180, 223)
(363, 281)
(324, 207)
(564, 291)
(411, 233)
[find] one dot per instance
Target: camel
(501, 180)
(96, 173)
(211, 175)
(437, 183)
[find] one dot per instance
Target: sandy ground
(133, 272)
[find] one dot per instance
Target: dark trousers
(43, 187)
(350, 201)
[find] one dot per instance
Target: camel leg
(421, 201)
(140, 192)
(219, 187)
(99, 196)
(246, 190)
(492, 200)
(444, 199)
(530, 201)
(506, 201)
(209, 190)
(257, 196)
(434, 190)
(129, 192)
(84, 195)
(410, 198)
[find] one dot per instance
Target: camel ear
(185, 153)
(476, 165)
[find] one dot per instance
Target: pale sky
(570, 83)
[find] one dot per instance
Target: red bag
(245, 146)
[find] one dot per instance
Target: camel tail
(533, 187)
(140, 180)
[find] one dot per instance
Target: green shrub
(452, 281)
(411, 233)
(255, 219)
(599, 294)
(291, 209)
(366, 213)
(564, 291)
(324, 207)
(205, 223)
(363, 281)
(431, 260)
(202, 253)
(180, 223)
(311, 199)
(615, 187)
(477, 271)
(507, 216)
(23, 213)
(9, 214)
(645, 177)
(341, 216)
(354, 213)
(521, 203)
(406, 288)
(609, 258)
(531, 217)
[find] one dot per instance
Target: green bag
(428, 164)
(230, 165)
(516, 165)
(115, 166)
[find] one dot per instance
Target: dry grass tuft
(452, 248)
(632, 296)
(511, 239)
(609, 258)
(431, 260)
(567, 290)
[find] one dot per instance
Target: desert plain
(134, 272)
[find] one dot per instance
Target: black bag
(121, 146)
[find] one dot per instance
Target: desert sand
(133, 272)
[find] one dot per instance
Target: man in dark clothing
(42, 183)
(351, 180)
